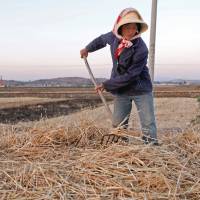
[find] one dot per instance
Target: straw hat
(132, 16)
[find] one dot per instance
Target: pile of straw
(47, 164)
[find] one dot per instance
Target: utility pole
(152, 38)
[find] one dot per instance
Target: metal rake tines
(112, 138)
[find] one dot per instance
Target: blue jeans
(145, 107)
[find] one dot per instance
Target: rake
(99, 92)
(111, 137)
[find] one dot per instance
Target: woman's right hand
(84, 53)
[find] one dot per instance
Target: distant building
(2, 82)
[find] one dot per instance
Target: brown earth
(24, 104)
(61, 92)
(34, 110)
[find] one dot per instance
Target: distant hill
(81, 82)
(54, 82)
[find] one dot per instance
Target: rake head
(114, 138)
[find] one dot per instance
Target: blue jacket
(130, 74)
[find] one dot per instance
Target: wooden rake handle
(99, 92)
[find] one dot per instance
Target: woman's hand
(99, 88)
(84, 53)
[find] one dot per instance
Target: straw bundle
(45, 164)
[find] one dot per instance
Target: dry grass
(40, 160)
(43, 163)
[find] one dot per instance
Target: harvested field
(14, 110)
(22, 101)
(40, 160)
(23, 104)
(59, 92)
(43, 163)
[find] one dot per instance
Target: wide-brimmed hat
(130, 15)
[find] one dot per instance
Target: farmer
(130, 79)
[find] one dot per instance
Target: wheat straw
(43, 163)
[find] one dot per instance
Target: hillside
(55, 82)
(82, 82)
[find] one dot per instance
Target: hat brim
(143, 25)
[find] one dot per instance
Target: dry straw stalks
(45, 164)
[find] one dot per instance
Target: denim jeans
(145, 107)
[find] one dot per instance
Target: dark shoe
(146, 139)
(154, 142)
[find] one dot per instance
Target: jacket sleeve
(100, 42)
(138, 63)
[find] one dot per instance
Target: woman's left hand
(99, 88)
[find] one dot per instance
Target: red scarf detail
(123, 44)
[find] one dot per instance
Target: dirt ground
(172, 115)
(23, 101)
(26, 109)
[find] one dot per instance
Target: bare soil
(35, 110)
(26, 104)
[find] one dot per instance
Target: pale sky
(42, 38)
